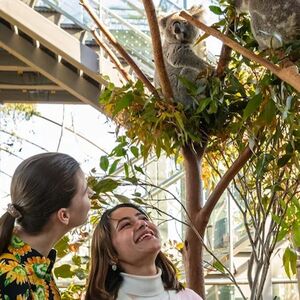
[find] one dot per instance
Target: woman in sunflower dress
(49, 197)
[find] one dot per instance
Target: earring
(114, 267)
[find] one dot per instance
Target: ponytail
(7, 222)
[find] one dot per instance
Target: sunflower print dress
(26, 274)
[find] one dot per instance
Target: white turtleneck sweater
(136, 287)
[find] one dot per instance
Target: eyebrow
(127, 218)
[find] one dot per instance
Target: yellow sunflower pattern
(24, 273)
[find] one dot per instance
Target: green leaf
(190, 85)
(119, 150)
(126, 170)
(105, 96)
(113, 167)
(236, 84)
(132, 180)
(139, 86)
(213, 107)
(289, 261)
(203, 104)
(106, 185)
(282, 234)
(296, 235)
(139, 201)
(104, 163)
(276, 219)
(111, 86)
(135, 151)
(269, 112)
(122, 198)
(286, 262)
(123, 102)
(139, 169)
(218, 266)
(282, 161)
(216, 10)
(252, 106)
(63, 271)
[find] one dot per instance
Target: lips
(144, 235)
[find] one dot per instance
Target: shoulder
(188, 294)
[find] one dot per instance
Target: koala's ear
(197, 11)
(162, 21)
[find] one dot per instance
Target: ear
(197, 11)
(63, 216)
(162, 21)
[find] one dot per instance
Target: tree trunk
(193, 250)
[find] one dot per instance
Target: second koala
(180, 59)
(273, 22)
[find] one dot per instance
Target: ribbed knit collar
(147, 286)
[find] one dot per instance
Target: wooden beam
(44, 97)
(29, 87)
(10, 63)
(25, 78)
(52, 37)
(57, 72)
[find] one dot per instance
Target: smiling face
(135, 239)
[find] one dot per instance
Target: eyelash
(126, 224)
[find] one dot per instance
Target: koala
(273, 22)
(180, 59)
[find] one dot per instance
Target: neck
(141, 270)
(44, 241)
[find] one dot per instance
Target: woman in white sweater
(127, 262)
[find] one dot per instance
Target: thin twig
(112, 56)
(119, 48)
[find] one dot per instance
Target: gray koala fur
(179, 57)
(273, 22)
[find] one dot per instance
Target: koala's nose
(177, 28)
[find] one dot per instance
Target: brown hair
(103, 282)
(41, 185)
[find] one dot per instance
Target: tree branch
(224, 182)
(286, 74)
(225, 55)
(157, 50)
(112, 56)
(119, 48)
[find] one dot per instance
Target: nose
(142, 224)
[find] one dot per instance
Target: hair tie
(13, 211)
